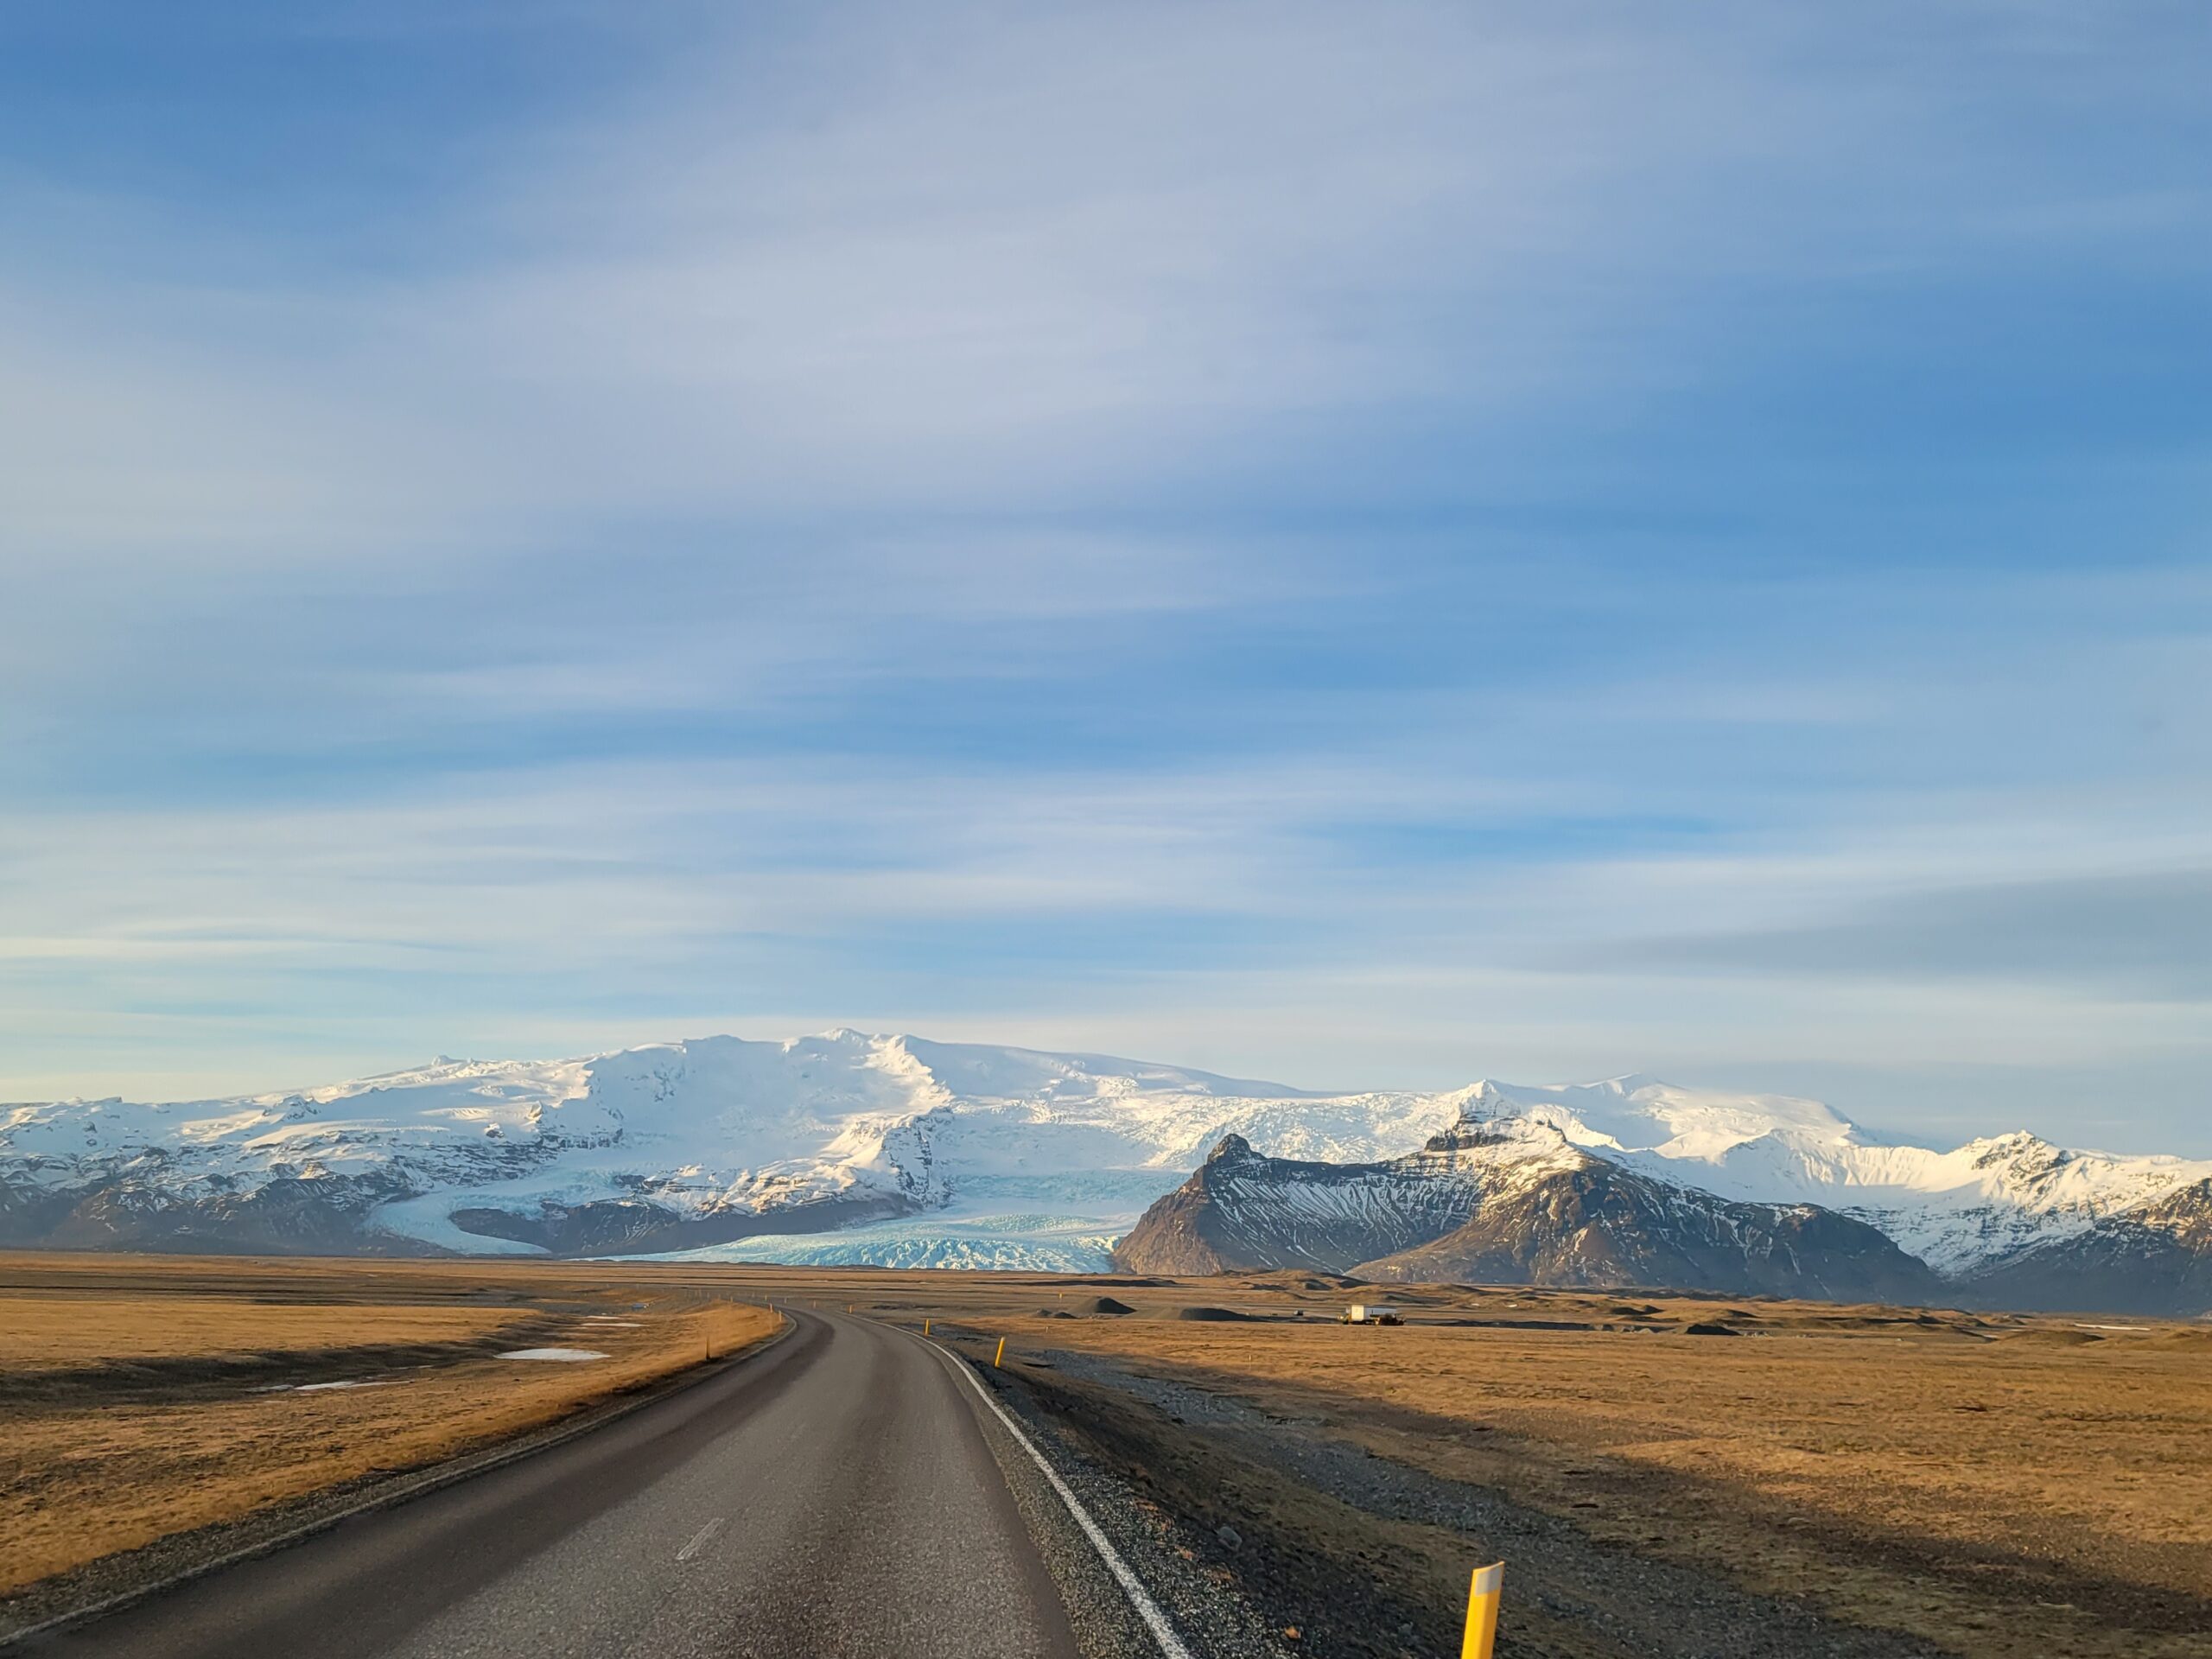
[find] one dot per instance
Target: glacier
(847, 1146)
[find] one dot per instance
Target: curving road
(837, 1494)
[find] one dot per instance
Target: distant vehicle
(1370, 1313)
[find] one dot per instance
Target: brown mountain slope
(1601, 1225)
(1474, 1205)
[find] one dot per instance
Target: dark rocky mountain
(1240, 1211)
(2155, 1261)
(1518, 1209)
(1529, 1208)
(1601, 1225)
(639, 1227)
(131, 1209)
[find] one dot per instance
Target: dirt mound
(1054, 1313)
(1709, 1328)
(1211, 1315)
(1103, 1305)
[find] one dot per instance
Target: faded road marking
(700, 1540)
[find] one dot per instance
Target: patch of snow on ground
(318, 1387)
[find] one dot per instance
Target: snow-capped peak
(1953, 1208)
(1641, 1114)
(722, 1132)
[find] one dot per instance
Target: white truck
(1371, 1313)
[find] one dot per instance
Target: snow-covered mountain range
(1632, 1181)
(957, 1153)
(1958, 1211)
(850, 1148)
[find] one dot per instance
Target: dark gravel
(1569, 1593)
(1211, 1620)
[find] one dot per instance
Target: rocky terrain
(1487, 1208)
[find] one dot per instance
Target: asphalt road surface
(837, 1494)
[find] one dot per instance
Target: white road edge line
(700, 1540)
(1140, 1598)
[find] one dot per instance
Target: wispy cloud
(2140, 934)
(1546, 538)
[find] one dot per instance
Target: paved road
(835, 1495)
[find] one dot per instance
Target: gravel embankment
(1255, 1526)
(1211, 1620)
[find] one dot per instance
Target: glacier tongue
(1045, 1223)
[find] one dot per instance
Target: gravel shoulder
(1170, 1559)
(1272, 1538)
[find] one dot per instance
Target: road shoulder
(1205, 1612)
(1366, 1559)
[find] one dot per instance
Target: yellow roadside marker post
(999, 1358)
(1483, 1597)
(925, 1327)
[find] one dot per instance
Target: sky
(1367, 546)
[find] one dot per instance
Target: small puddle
(318, 1387)
(571, 1354)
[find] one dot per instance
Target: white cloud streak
(784, 385)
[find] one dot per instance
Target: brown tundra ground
(144, 1397)
(1991, 1485)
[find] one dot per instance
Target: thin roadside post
(1483, 1597)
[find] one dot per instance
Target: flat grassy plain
(1995, 1484)
(1998, 1486)
(144, 1396)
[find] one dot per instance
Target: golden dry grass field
(144, 1397)
(1999, 1485)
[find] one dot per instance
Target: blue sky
(1369, 547)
